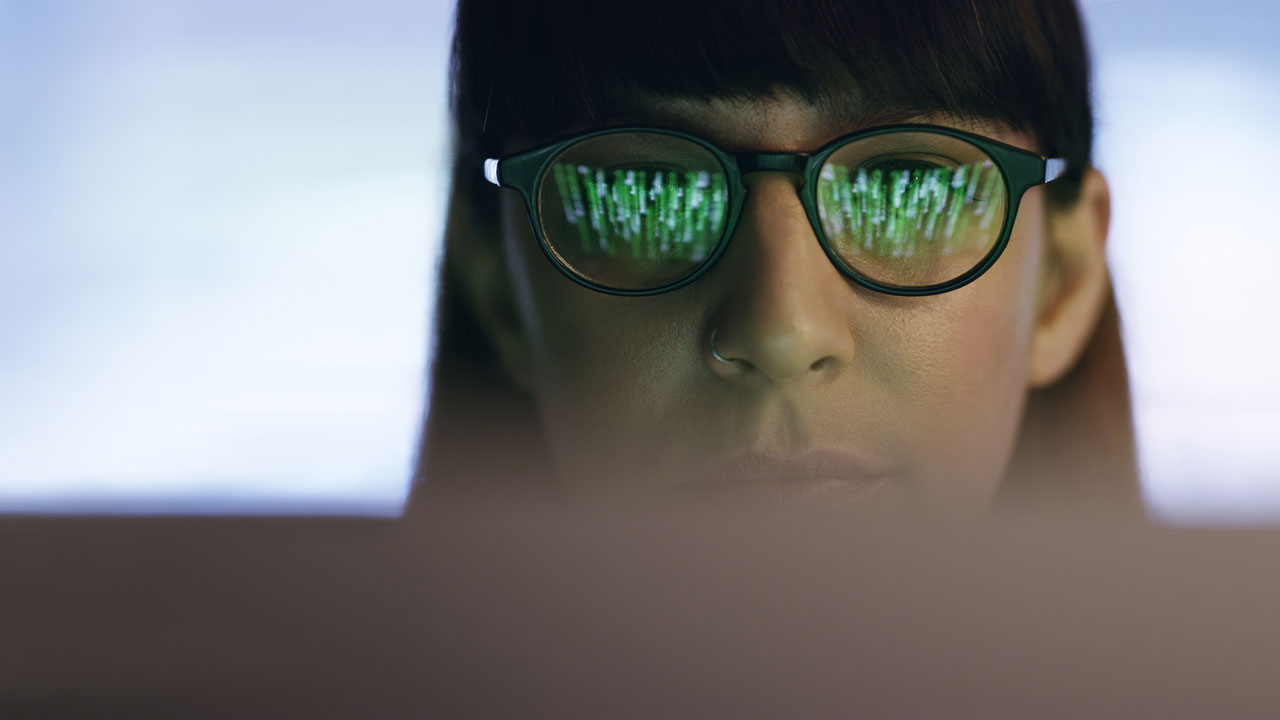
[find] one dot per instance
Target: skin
(927, 392)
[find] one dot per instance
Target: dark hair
(537, 69)
(525, 70)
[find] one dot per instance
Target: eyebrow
(666, 112)
(856, 117)
(860, 116)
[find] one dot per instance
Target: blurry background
(1187, 99)
(219, 223)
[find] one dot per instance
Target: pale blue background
(219, 223)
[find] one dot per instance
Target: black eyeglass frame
(1021, 170)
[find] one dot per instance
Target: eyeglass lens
(644, 210)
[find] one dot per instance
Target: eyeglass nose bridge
(793, 163)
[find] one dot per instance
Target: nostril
(821, 364)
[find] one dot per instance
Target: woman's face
(832, 391)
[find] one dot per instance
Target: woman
(827, 250)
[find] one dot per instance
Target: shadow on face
(773, 374)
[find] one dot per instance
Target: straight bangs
(537, 70)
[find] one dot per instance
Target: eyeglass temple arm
(1053, 169)
(491, 171)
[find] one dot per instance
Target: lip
(816, 475)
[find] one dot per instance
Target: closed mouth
(819, 476)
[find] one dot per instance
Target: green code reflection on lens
(647, 214)
(906, 211)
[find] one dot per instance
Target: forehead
(782, 121)
(786, 122)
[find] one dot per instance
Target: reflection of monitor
(903, 211)
(654, 215)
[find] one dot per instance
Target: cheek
(607, 370)
(961, 370)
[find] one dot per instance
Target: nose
(784, 317)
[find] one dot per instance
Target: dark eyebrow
(846, 117)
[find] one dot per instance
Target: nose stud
(714, 353)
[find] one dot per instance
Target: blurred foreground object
(601, 612)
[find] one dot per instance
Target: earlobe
(475, 256)
(1074, 282)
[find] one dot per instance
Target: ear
(475, 255)
(1074, 282)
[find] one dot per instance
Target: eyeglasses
(902, 209)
